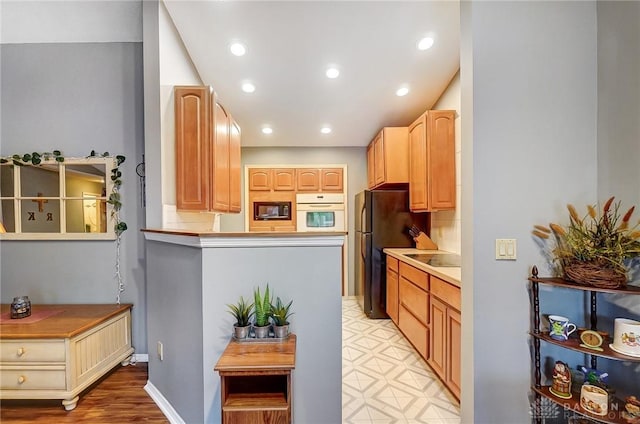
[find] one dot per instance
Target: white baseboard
(163, 404)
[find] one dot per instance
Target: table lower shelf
(616, 407)
(252, 401)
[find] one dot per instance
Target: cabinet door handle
(20, 351)
(21, 379)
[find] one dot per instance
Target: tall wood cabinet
(207, 152)
(388, 158)
(432, 165)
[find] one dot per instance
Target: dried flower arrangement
(595, 249)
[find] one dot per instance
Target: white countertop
(449, 274)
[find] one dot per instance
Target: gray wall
(559, 118)
(76, 97)
(529, 147)
(174, 303)
(619, 101)
(619, 147)
(188, 292)
(354, 157)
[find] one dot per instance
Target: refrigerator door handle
(363, 222)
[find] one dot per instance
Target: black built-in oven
(265, 211)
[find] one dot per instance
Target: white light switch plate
(506, 249)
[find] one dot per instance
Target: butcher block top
(56, 321)
(247, 356)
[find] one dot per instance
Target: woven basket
(594, 274)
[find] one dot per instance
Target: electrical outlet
(160, 351)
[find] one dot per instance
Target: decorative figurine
(561, 386)
(594, 377)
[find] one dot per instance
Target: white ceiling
(289, 45)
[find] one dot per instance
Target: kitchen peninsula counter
(191, 278)
(190, 237)
(449, 274)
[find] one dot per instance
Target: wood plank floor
(117, 398)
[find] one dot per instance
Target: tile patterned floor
(384, 380)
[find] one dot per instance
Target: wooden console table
(62, 354)
(255, 381)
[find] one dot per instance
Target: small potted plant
(242, 312)
(262, 306)
(280, 314)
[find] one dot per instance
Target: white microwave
(320, 212)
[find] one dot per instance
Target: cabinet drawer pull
(20, 351)
(21, 379)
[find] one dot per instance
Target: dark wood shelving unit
(616, 406)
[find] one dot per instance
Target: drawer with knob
(32, 351)
(32, 379)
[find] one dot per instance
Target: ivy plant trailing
(114, 198)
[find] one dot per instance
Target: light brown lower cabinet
(392, 289)
(445, 340)
(453, 377)
(414, 330)
(427, 311)
(413, 307)
(437, 354)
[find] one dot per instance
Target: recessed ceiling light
(332, 72)
(267, 130)
(402, 91)
(325, 130)
(425, 43)
(238, 49)
(248, 87)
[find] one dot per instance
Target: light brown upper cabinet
(267, 179)
(193, 134)
(388, 158)
(432, 165)
(207, 152)
(316, 179)
(284, 179)
(331, 179)
(308, 179)
(260, 179)
(371, 179)
(235, 172)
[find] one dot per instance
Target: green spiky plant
(262, 305)
(242, 311)
(280, 312)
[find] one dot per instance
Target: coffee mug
(560, 328)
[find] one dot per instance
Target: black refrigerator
(382, 220)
